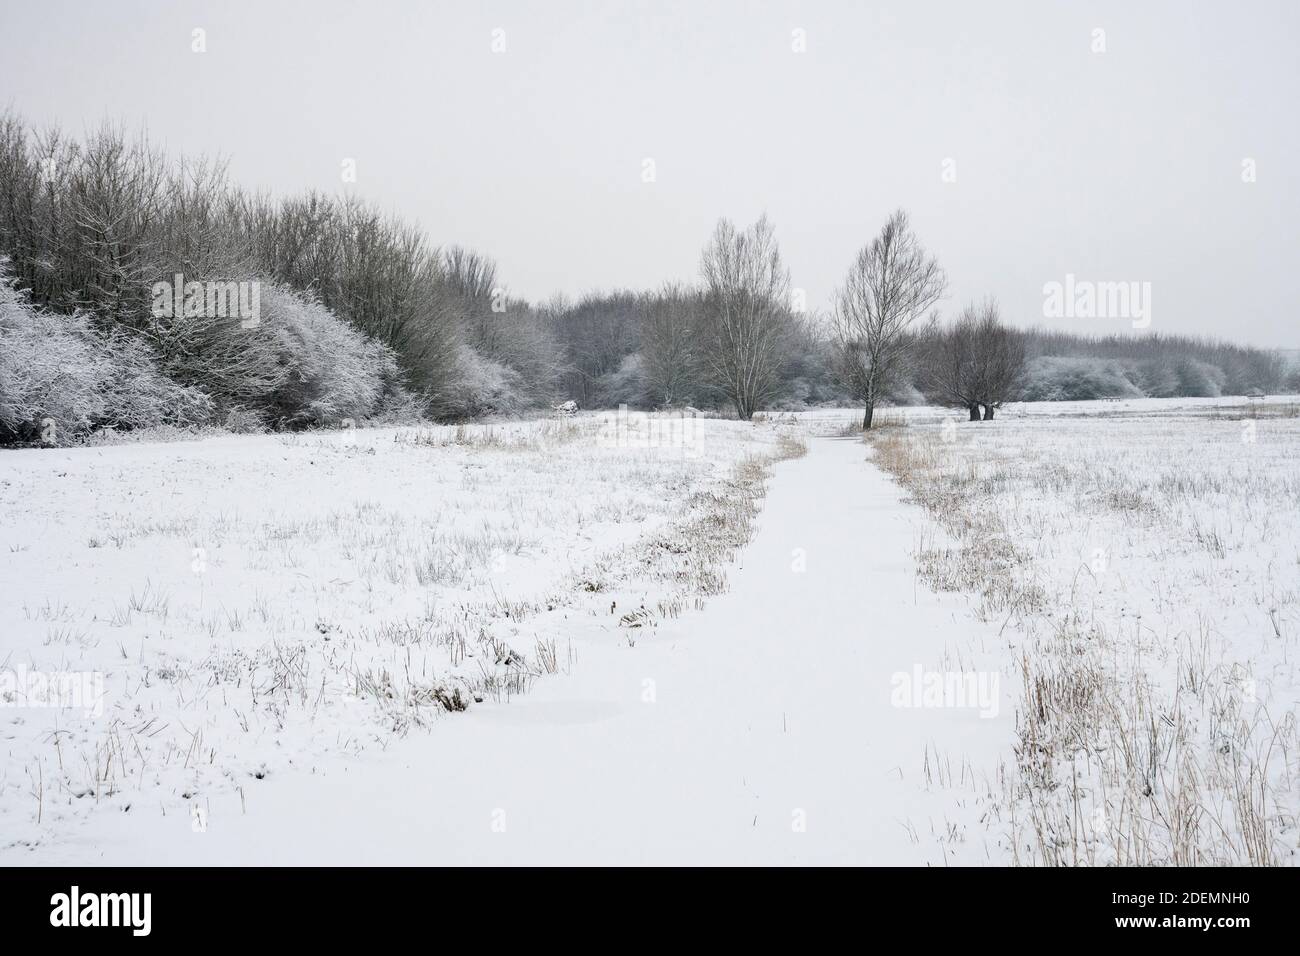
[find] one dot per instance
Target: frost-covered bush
(329, 371)
(297, 366)
(1078, 378)
(60, 377)
(1177, 377)
(1159, 366)
(626, 385)
(243, 421)
(1158, 378)
(1061, 378)
(400, 406)
(1199, 379)
(137, 395)
(480, 386)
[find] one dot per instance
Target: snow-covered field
(1142, 560)
(225, 611)
(1064, 636)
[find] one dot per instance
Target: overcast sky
(1123, 165)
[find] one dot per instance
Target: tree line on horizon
(361, 318)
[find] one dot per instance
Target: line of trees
(363, 318)
(89, 229)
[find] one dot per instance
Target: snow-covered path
(759, 730)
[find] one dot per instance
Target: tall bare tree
(747, 315)
(892, 283)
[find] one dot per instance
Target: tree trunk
(988, 413)
(866, 417)
(974, 413)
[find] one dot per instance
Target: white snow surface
(270, 697)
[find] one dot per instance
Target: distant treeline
(139, 290)
(1070, 367)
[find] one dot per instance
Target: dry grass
(1144, 576)
(328, 590)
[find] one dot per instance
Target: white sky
(1125, 165)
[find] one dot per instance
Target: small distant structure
(567, 408)
(1256, 395)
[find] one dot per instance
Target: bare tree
(669, 343)
(598, 333)
(975, 363)
(472, 275)
(998, 359)
(949, 368)
(890, 285)
(746, 313)
(376, 271)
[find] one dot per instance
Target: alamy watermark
(1085, 299)
(971, 690)
(70, 690)
(213, 299)
(130, 910)
(670, 429)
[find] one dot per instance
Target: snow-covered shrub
(244, 421)
(1199, 379)
(137, 395)
(1158, 378)
(330, 371)
(626, 385)
(1077, 378)
(60, 377)
(400, 406)
(520, 340)
(239, 367)
(298, 366)
(1060, 378)
(480, 387)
